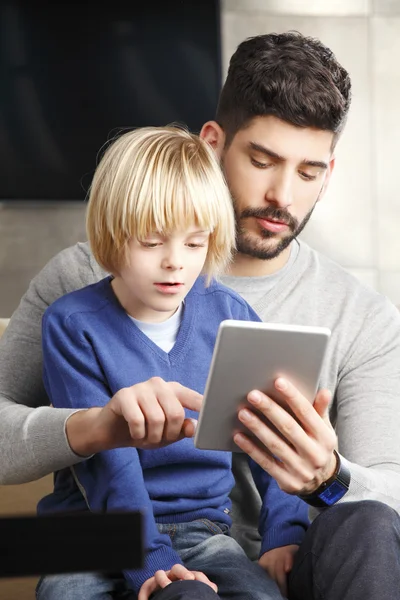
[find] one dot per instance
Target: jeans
(351, 552)
(80, 586)
(203, 546)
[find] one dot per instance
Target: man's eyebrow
(268, 152)
(315, 163)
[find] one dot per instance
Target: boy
(160, 219)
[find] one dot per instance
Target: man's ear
(214, 135)
(328, 176)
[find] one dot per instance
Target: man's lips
(272, 225)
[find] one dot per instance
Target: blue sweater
(92, 349)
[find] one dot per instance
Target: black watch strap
(332, 490)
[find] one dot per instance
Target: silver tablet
(249, 356)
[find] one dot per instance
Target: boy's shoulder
(219, 294)
(88, 299)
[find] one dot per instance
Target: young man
(160, 220)
(276, 149)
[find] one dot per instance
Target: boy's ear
(214, 135)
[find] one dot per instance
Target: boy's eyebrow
(195, 232)
(268, 152)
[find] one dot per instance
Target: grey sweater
(362, 369)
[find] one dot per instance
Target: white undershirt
(163, 334)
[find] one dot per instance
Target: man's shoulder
(74, 267)
(332, 276)
(338, 288)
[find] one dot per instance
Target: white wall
(358, 221)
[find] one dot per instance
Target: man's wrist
(333, 466)
(333, 489)
(80, 429)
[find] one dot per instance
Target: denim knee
(369, 517)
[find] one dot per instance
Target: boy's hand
(146, 415)
(278, 563)
(163, 578)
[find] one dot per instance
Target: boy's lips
(169, 287)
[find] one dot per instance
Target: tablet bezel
(270, 350)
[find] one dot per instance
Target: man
(281, 111)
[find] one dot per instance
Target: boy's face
(159, 273)
(276, 173)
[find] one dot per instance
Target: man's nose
(280, 190)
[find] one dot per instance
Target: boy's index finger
(188, 398)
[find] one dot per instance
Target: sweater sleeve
(110, 480)
(33, 442)
(283, 517)
(366, 409)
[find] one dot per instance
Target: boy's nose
(172, 262)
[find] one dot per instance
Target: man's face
(276, 173)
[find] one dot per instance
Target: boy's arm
(283, 517)
(111, 480)
(34, 438)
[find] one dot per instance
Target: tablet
(248, 356)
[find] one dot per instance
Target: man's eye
(307, 177)
(193, 245)
(259, 164)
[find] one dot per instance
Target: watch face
(333, 493)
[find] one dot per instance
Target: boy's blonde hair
(158, 179)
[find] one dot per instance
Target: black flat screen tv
(75, 74)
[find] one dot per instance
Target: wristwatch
(331, 490)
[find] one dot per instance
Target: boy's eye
(150, 244)
(194, 245)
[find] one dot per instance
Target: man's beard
(246, 242)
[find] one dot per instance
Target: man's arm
(367, 422)
(33, 441)
(367, 404)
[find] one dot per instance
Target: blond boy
(160, 220)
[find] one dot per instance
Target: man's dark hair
(289, 76)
